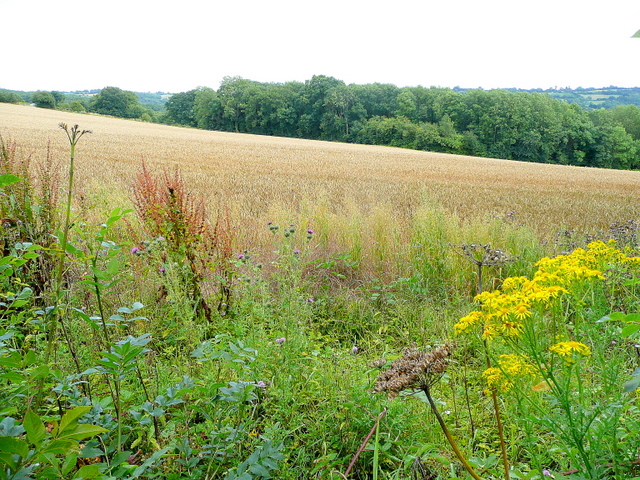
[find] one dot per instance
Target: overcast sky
(175, 46)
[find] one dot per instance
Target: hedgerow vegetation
(531, 126)
(156, 334)
(526, 126)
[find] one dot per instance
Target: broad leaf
(8, 179)
(71, 418)
(36, 432)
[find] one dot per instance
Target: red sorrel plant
(29, 208)
(168, 210)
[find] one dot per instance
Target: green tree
(59, 96)
(9, 97)
(377, 99)
(180, 109)
(343, 114)
(44, 99)
(207, 109)
(77, 106)
(116, 102)
(615, 148)
(627, 116)
(313, 105)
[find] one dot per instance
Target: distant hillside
(589, 98)
(154, 101)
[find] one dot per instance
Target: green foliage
(278, 383)
(7, 96)
(529, 126)
(44, 99)
(180, 109)
(45, 453)
(116, 102)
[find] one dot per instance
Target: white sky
(175, 46)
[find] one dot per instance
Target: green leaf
(34, 427)
(82, 431)
(632, 318)
(70, 419)
(39, 372)
(73, 250)
(258, 469)
(632, 384)
(630, 329)
(69, 463)
(612, 317)
(89, 451)
(8, 179)
(87, 472)
(14, 446)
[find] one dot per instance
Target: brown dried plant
(414, 370)
(420, 370)
(169, 210)
(30, 207)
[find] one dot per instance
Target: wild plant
(421, 370)
(47, 450)
(544, 339)
(169, 210)
(74, 134)
(117, 365)
(29, 207)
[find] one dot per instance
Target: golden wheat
(354, 188)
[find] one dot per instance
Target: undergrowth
(174, 351)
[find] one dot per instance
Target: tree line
(526, 126)
(108, 101)
(516, 125)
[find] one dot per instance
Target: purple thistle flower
(261, 384)
(296, 251)
(280, 340)
(241, 256)
(135, 250)
(310, 232)
(354, 350)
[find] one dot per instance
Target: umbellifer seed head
(416, 369)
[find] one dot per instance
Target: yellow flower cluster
(510, 367)
(503, 311)
(566, 349)
(584, 264)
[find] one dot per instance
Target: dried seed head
(416, 369)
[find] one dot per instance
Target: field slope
(256, 176)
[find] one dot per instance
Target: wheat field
(261, 178)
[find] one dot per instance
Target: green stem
(496, 409)
(52, 331)
(447, 434)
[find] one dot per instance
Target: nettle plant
(561, 367)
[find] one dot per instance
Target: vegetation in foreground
(184, 355)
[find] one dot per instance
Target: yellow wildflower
(510, 367)
(565, 349)
(490, 331)
(468, 321)
(511, 329)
